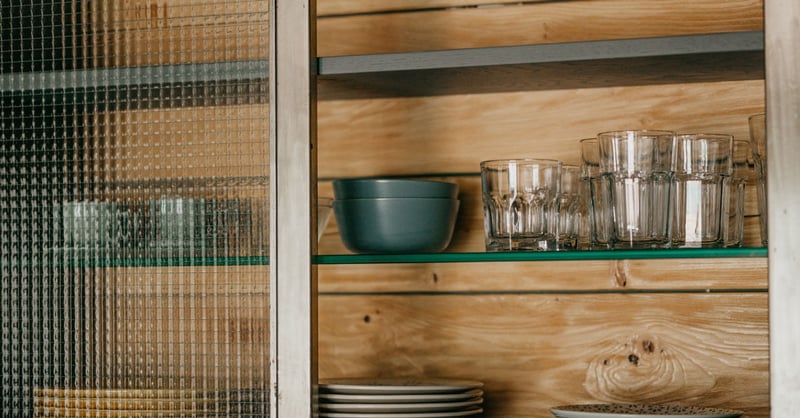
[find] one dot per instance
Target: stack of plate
(142, 403)
(641, 411)
(400, 398)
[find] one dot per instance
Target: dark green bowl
(404, 225)
(364, 188)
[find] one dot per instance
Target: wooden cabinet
(433, 90)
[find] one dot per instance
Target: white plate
(398, 386)
(641, 411)
(400, 407)
(452, 414)
(391, 398)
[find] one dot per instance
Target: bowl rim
(379, 199)
(394, 180)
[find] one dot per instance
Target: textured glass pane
(134, 208)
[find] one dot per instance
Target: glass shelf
(478, 257)
(114, 78)
(97, 259)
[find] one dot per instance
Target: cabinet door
(134, 208)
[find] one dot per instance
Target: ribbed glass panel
(134, 208)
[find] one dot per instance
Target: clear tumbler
(567, 216)
(701, 187)
(639, 166)
(519, 196)
(598, 198)
(758, 139)
(743, 172)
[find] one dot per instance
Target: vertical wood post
(293, 279)
(782, 47)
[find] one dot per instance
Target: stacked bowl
(382, 215)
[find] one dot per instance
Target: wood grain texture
(783, 150)
(534, 23)
(547, 276)
(537, 351)
(328, 8)
(449, 134)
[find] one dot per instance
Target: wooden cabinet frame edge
(293, 278)
(782, 37)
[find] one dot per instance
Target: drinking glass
(519, 196)
(598, 198)
(758, 140)
(639, 166)
(701, 187)
(93, 225)
(743, 172)
(178, 225)
(567, 216)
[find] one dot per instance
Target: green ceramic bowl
(401, 225)
(364, 188)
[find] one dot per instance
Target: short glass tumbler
(518, 197)
(758, 139)
(599, 211)
(743, 172)
(639, 165)
(701, 190)
(567, 216)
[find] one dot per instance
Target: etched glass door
(134, 208)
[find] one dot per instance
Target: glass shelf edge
(517, 256)
(98, 261)
(119, 77)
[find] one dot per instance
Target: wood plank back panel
(329, 8)
(454, 133)
(537, 351)
(547, 276)
(531, 23)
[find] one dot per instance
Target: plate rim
(401, 407)
(442, 414)
(397, 385)
(401, 397)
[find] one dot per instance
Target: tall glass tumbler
(639, 165)
(518, 197)
(743, 172)
(701, 190)
(567, 216)
(599, 211)
(758, 139)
